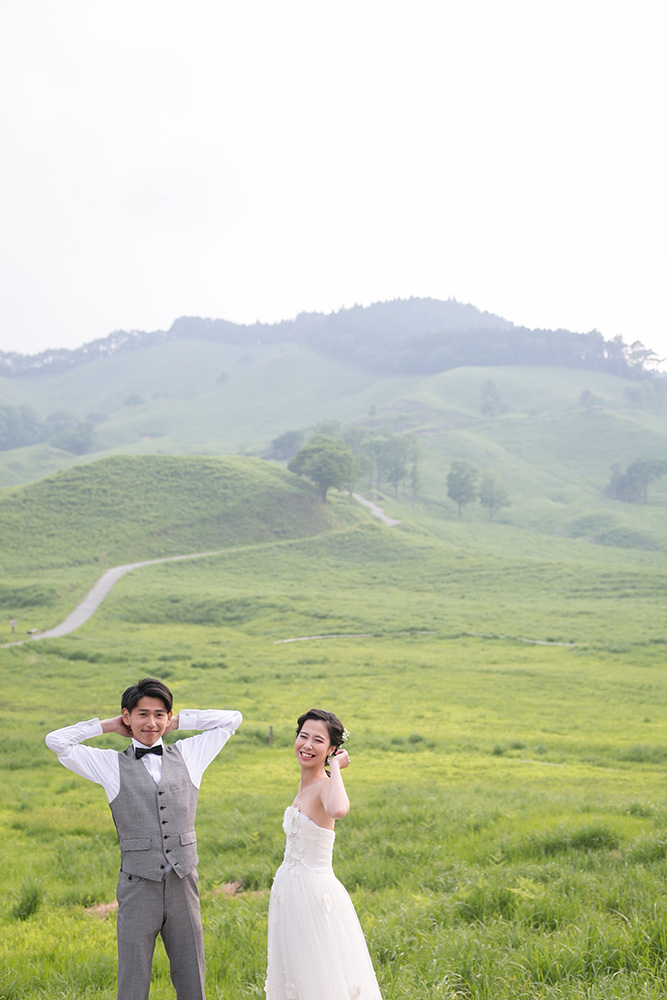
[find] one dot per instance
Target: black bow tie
(140, 752)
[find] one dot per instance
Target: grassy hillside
(203, 397)
(506, 837)
(552, 454)
(61, 533)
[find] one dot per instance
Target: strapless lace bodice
(308, 845)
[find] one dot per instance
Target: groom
(152, 791)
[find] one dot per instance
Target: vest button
(161, 866)
(168, 851)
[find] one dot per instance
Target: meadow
(506, 702)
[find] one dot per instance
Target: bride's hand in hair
(342, 758)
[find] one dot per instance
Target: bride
(316, 947)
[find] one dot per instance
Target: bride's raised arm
(334, 797)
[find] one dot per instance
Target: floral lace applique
(355, 992)
(326, 900)
(291, 991)
(295, 848)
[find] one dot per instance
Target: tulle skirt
(316, 947)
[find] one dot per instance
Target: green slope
(59, 535)
(123, 509)
(552, 455)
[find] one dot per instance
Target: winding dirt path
(91, 602)
(374, 509)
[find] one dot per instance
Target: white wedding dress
(316, 946)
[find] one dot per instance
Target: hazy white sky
(252, 159)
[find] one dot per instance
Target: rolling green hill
(60, 534)
(552, 452)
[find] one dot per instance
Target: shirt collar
(143, 746)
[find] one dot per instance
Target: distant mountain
(403, 337)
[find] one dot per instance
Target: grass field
(506, 698)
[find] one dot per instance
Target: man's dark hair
(147, 687)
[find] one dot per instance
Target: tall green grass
(505, 693)
(507, 832)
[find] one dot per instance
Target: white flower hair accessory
(345, 737)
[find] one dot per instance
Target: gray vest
(155, 823)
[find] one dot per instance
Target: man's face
(148, 720)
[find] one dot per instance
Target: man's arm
(100, 766)
(198, 751)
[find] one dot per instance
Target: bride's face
(312, 744)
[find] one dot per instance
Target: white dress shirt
(101, 766)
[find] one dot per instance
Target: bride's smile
(312, 743)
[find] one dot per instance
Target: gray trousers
(170, 908)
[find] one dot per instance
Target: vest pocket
(188, 838)
(142, 844)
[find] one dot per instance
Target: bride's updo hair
(331, 721)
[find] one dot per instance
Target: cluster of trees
(61, 359)
(333, 458)
(632, 485)
(21, 426)
(385, 457)
(406, 336)
(465, 484)
(649, 394)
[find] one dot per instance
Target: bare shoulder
(310, 801)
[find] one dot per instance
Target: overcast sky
(253, 159)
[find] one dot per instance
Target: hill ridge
(402, 335)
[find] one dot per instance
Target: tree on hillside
(393, 459)
(641, 359)
(330, 427)
(328, 462)
(286, 445)
(78, 439)
(59, 421)
(19, 426)
(462, 483)
(490, 399)
(587, 399)
(492, 494)
(631, 486)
